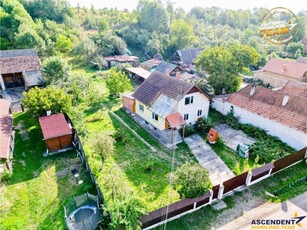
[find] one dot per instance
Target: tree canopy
(118, 82)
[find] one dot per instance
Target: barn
(57, 133)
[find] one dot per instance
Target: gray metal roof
(189, 56)
(163, 67)
(17, 53)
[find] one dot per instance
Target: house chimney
(284, 67)
(178, 74)
(253, 90)
(168, 72)
(285, 100)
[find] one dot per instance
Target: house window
(189, 100)
(155, 116)
(199, 113)
(141, 107)
(186, 116)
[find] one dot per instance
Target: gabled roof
(268, 103)
(188, 56)
(163, 67)
(158, 83)
(295, 88)
(54, 126)
(15, 61)
(6, 123)
(284, 67)
(150, 63)
(174, 120)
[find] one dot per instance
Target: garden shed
(128, 101)
(57, 132)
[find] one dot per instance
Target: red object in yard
(212, 136)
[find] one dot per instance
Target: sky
(294, 5)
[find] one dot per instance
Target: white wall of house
(292, 137)
(200, 102)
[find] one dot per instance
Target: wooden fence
(185, 206)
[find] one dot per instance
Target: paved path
(233, 137)
(284, 210)
(218, 170)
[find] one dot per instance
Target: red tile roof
(174, 120)
(54, 126)
(295, 88)
(284, 67)
(268, 103)
(6, 123)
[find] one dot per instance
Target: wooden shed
(129, 102)
(56, 131)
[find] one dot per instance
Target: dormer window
(189, 100)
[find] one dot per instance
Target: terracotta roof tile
(174, 120)
(268, 103)
(54, 126)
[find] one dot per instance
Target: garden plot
(233, 137)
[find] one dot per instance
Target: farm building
(57, 132)
(122, 59)
(277, 72)
(128, 102)
(150, 64)
(6, 136)
(19, 69)
(168, 68)
(186, 57)
(282, 113)
(138, 74)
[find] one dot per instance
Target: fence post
(221, 191)
(211, 196)
(194, 205)
(248, 179)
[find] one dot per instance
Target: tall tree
(118, 82)
(55, 70)
(182, 35)
(38, 101)
(152, 16)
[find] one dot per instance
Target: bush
(203, 125)
(188, 130)
(191, 180)
(232, 120)
(6, 175)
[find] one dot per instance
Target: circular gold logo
(279, 25)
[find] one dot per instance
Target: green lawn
(34, 197)
(207, 217)
(131, 155)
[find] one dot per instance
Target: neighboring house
(282, 112)
(186, 57)
(150, 64)
(277, 72)
(19, 69)
(165, 102)
(6, 136)
(122, 59)
(138, 74)
(168, 68)
(57, 133)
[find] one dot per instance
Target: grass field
(34, 197)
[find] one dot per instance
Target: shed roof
(143, 73)
(54, 126)
(150, 63)
(121, 58)
(15, 61)
(6, 123)
(174, 120)
(163, 67)
(286, 68)
(158, 83)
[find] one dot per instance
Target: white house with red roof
(281, 112)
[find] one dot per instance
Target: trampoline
(82, 213)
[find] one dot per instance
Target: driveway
(233, 137)
(218, 170)
(284, 210)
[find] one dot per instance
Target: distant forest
(53, 27)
